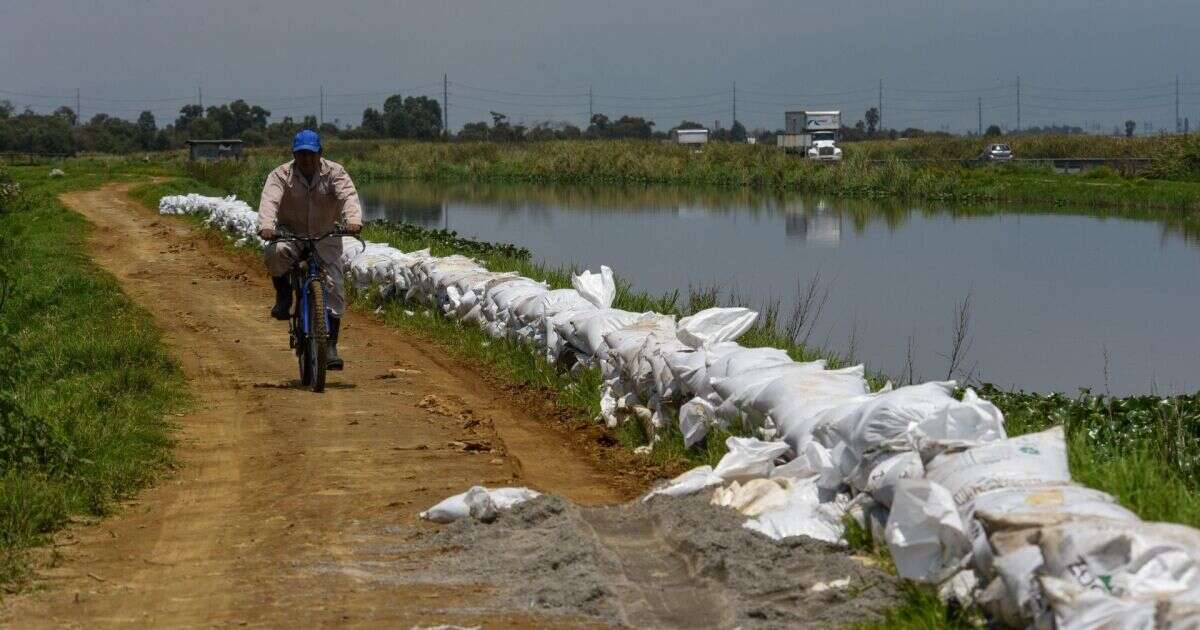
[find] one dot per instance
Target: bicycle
(308, 330)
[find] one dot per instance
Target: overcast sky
(782, 53)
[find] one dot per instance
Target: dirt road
(281, 491)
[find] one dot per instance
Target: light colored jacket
(289, 202)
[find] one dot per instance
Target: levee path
(282, 495)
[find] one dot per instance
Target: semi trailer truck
(812, 134)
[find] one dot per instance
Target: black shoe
(332, 360)
(283, 298)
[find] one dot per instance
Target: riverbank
(875, 170)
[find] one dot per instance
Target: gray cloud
(269, 51)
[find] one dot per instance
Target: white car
(997, 153)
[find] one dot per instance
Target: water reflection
(1053, 290)
(428, 203)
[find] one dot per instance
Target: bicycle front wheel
(317, 350)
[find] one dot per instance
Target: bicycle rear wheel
(317, 342)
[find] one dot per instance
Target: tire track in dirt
(276, 483)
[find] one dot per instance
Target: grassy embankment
(85, 382)
(872, 169)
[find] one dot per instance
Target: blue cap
(307, 140)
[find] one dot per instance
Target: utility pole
(446, 105)
(78, 111)
(200, 97)
(1018, 103)
(881, 106)
(321, 118)
(591, 108)
(979, 105)
(1178, 122)
(734, 103)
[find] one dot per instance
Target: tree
(1129, 127)
(423, 118)
(872, 117)
(992, 130)
(413, 117)
(476, 131)
(68, 114)
(204, 129)
(373, 123)
(631, 127)
(598, 126)
(6, 109)
(146, 130)
(737, 133)
(187, 114)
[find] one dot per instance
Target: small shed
(690, 136)
(214, 149)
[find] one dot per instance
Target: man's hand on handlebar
(267, 234)
(352, 230)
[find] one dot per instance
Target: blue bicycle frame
(314, 270)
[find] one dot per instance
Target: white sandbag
(895, 420)
(1036, 459)
(599, 289)
(478, 502)
(739, 360)
(690, 367)
(655, 353)
(696, 417)
(881, 483)
(626, 345)
(1079, 608)
(925, 533)
(1020, 507)
(753, 497)
(798, 419)
(748, 458)
(504, 295)
(589, 327)
(1014, 597)
(804, 514)
(1131, 559)
(739, 390)
(715, 325)
(548, 304)
(830, 385)
(688, 483)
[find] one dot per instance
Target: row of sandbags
(989, 518)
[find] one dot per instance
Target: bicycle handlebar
(285, 236)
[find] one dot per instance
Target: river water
(1057, 301)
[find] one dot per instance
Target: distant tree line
(412, 117)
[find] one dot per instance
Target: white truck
(812, 134)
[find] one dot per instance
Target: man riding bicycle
(306, 197)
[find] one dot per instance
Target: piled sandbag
(229, 214)
(959, 503)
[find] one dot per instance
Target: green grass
(920, 609)
(85, 381)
